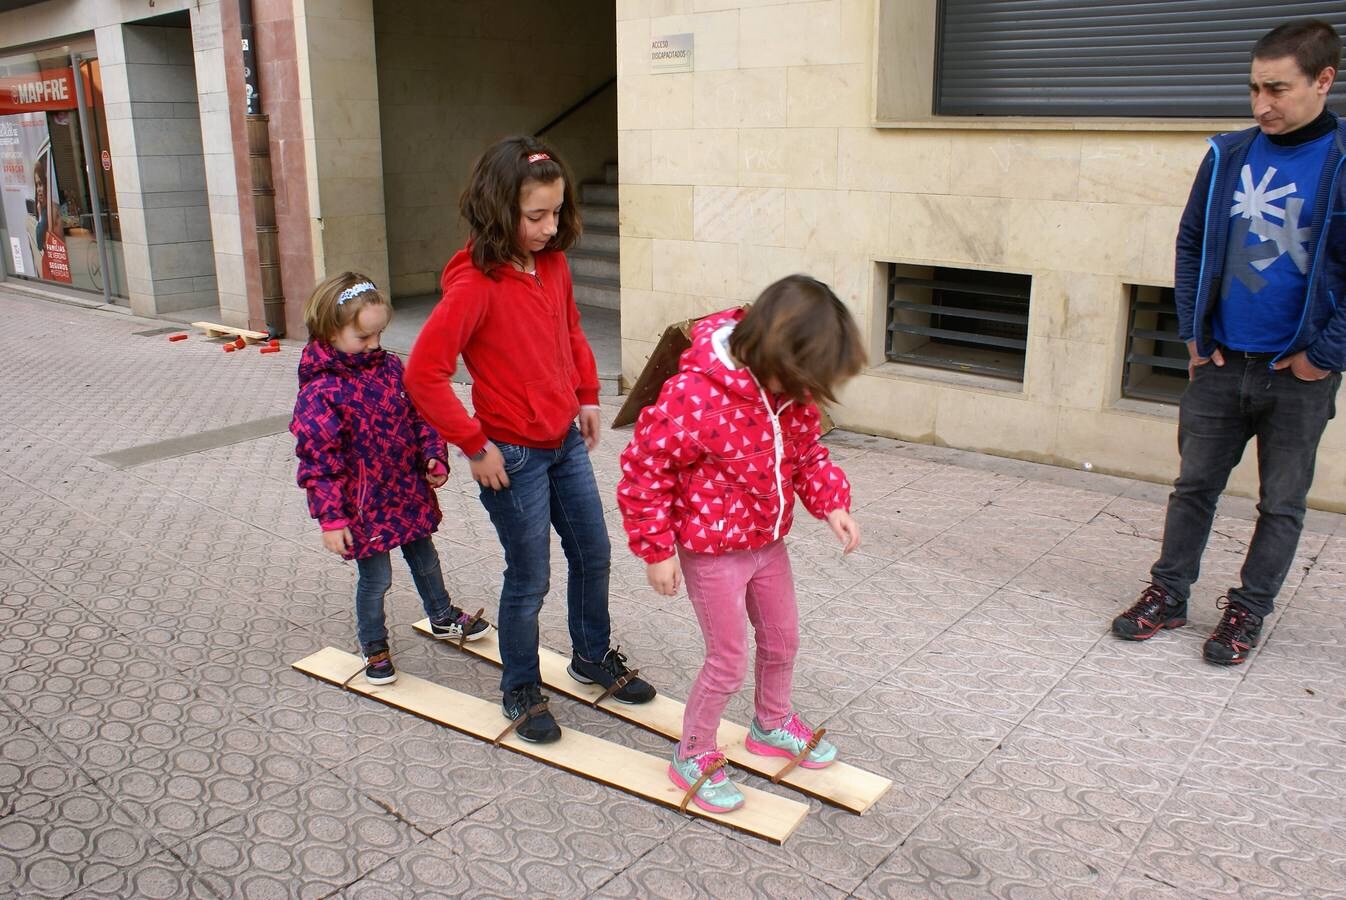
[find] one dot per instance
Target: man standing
(1260, 288)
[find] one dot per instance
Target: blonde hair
(325, 313)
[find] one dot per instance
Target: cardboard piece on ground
(663, 365)
(765, 815)
(839, 784)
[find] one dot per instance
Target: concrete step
(602, 292)
(594, 265)
(610, 173)
(598, 240)
(599, 193)
(600, 216)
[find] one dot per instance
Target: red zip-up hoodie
(715, 463)
(520, 338)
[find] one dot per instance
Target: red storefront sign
(37, 92)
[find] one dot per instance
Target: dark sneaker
(1237, 633)
(457, 625)
(528, 706)
(618, 681)
(1153, 612)
(378, 663)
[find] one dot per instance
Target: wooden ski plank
(764, 815)
(213, 330)
(840, 784)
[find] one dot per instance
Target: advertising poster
(29, 192)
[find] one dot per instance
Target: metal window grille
(1155, 365)
(964, 320)
(1107, 57)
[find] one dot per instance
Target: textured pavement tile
(431, 781)
(163, 877)
(428, 871)
(1056, 500)
(961, 853)
(1136, 887)
(306, 843)
(556, 846)
(32, 770)
(1098, 586)
(52, 848)
(1042, 627)
(698, 862)
(973, 485)
(1214, 842)
(1127, 715)
(991, 679)
(1068, 792)
(925, 746)
(995, 542)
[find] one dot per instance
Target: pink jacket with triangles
(715, 463)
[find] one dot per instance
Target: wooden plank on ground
(839, 784)
(213, 330)
(765, 815)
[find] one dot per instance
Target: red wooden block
(177, 337)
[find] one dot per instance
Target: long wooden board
(765, 815)
(841, 785)
(213, 330)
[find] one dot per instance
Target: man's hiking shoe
(613, 675)
(789, 741)
(452, 626)
(717, 793)
(378, 663)
(1153, 612)
(528, 702)
(1236, 635)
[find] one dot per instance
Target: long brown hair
(799, 334)
(325, 313)
(490, 202)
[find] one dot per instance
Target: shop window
(964, 320)
(1155, 366)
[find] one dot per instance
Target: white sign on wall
(671, 53)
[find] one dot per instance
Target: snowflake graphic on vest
(1262, 232)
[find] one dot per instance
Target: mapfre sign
(36, 92)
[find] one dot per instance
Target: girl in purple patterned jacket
(370, 463)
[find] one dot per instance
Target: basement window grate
(1155, 365)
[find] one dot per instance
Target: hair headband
(354, 291)
(537, 158)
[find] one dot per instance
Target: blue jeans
(1222, 409)
(376, 576)
(549, 489)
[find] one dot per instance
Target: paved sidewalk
(155, 743)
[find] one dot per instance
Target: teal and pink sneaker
(717, 793)
(788, 741)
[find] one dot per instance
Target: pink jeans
(723, 589)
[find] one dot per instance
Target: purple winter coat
(363, 449)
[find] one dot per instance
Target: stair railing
(575, 107)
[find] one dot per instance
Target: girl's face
(361, 334)
(539, 213)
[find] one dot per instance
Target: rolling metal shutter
(1109, 57)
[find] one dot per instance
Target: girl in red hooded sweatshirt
(370, 464)
(509, 310)
(707, 492)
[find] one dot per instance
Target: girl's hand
(589, 428)
(489, 471)
(436, 473)
(338, 541)
(845, 528)
(664, 576)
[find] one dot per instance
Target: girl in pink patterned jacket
(370, 463)
(707, 491)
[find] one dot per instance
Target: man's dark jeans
(549, 489)
(1222, 408)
